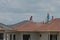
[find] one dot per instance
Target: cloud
(9, 3)
(45, 6)
(12, 18)
(12, 11)
(20, 6)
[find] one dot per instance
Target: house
(29, 30)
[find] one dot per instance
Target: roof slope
(53, 25)
(4, 27)
(19, 24)
(28, 26)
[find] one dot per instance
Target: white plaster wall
(18, 36)
(5, 36)
(58, 36)
(33, 36)
(44, 36)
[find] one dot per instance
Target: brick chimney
(31, 18)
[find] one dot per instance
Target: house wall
(58, 36)
(7, 35)
(18, 36)
(44, 36)
(33, 36)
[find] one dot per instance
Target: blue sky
(14, 11)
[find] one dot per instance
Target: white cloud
(4, 16)
(14, 10)
(46, 6)
(12, 18)
(29, 14)
(10, 3)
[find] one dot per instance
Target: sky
(14, 11)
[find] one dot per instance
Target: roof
(4, 27)
(28, 26)
(10, 27)
(53, 25)
(18, 24)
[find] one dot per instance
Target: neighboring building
(29, 30)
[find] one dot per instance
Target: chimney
(52, 18)
(43, 22)
(31, 18)
(48, 17)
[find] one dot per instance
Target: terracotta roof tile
(53, 25)
(28, 26)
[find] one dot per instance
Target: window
(26, 37)
(1, 36)
(14, 36)
(53, 37)
(10, 36)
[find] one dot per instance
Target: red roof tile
(28, 26)
(53, 25)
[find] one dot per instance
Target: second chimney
(31, 18)
(52, 18)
